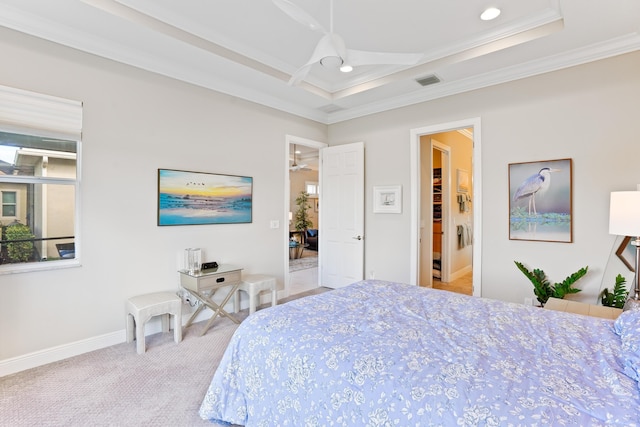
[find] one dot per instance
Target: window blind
(22, 110)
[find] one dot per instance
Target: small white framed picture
(387, 199)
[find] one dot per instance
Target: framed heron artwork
(540, 201)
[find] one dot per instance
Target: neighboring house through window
(39, 164)
(8, 204)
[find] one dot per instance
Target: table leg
(218, 310)
(195, 314)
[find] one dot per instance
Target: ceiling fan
(295, 167)
(331, 51)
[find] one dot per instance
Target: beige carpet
(117, 387)
(309, 259)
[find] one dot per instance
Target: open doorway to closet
(447, 189)
(446, 206)
(303, 209)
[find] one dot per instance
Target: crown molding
(595, 52)
(54, 32)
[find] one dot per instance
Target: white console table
(204, 284)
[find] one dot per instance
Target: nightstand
(582, 308)
(204, 284)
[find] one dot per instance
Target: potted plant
(618, 297)
(302, 219)
(545, 290)
(301, 223)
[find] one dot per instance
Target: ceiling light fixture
(346, 68)
(331, 61)
(490, 13)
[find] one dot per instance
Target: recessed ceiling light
(490, 13)
(346, 68)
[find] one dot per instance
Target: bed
(378, 353)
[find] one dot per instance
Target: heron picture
(540, 201)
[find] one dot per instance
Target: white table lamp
(624, 220)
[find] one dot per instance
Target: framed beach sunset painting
(191, 198)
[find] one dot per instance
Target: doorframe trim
(414, 148)
(288, 140)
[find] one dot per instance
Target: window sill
(38, 266)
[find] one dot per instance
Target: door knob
(358, 237)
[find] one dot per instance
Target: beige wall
(572, 113)
(134, 123)
(298, 180)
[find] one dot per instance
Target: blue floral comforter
(386, 354)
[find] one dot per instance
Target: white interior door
(341, 245)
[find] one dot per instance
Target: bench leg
(252, 301)
(177, 327)
(130, 327)
(140, 345)
(164, 320)
(236, 301)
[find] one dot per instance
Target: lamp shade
(624, 213)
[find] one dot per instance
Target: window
(39, 147)
(8, 204)
(312, 188)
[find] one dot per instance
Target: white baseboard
(54, 354)
(459, 273)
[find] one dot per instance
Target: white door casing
(341, 238)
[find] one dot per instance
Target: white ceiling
(250, 48)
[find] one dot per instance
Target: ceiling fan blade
(329, 46)
(299, 15)
(300, 74)
(361, 57)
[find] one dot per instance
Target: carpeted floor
(117, 387)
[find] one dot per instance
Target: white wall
(587, 113)
(134, 123)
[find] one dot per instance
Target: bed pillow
(627, 326)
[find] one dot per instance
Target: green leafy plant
(19, 251)
(618, 297)
(302, 220)
(544, 290)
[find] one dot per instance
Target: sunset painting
(190, 198)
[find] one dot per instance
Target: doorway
(302, 172)
(464, 214)
(435, 260)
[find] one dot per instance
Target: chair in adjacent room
(66, 250)
(311, 238)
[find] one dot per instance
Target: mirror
(621, 261)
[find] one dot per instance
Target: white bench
(141, 308)
(254, 284)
